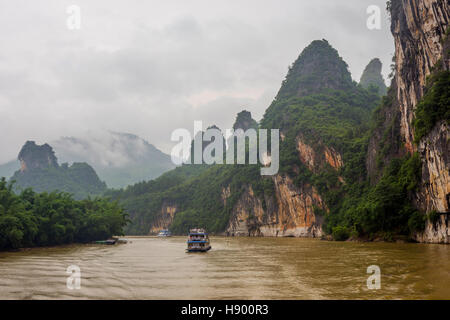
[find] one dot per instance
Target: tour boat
(198, 241)
(164, 233)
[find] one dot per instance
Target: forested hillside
(327, 111)
(40, 170)
(43, 219)
(352, 163)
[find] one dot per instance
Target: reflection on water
(236, 268)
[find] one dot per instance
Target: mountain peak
(319, 67)
(245, 121)
(33, 156)
(372, 76)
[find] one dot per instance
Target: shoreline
(399, 240)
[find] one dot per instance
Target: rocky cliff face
(32, 156)
(290, 213)
(164, 219)
(418, 27)
(41, 172)
(317, 157)
(434, 192)
(372, 76)
(434, 149)
(317, 93)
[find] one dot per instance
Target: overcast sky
(148, 67)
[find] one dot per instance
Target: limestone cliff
(372, 76)
(316, 157)
(32, 156)
(41, 172)
(289, 214)
(319, 110)
(164, 219)
(418, 27)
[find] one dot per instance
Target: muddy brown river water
(235, 268)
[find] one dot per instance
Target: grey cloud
(148, 67)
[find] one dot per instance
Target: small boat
(164, 233)
(198, 241)
(109, 241)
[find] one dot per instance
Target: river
(235, 268)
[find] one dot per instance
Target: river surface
(235, 268)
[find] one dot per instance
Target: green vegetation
(434, 105)
(327, 117)
(196, 191)
(40, 171)
(319, 104)
(433, 216)
(318, 67)
(385, 206)
(341, 119)
(340, 233)
(43, 219)
(372, 79)
(80, 180)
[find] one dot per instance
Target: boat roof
(197, 230)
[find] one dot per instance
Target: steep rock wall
(419, 28)
(164, 218)
(315, 158)
(290, 213)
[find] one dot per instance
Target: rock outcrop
(245, 121)
(318, 157)
(419, 28)
(41, 172)
(318, 68)
(434, 150)
(33, 156)
(372, 76)
(289, 214)
(164, 219)
(437, 232)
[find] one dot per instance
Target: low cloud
(148, 67)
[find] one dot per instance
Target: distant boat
(198, 241)
(109, 241)
(164, 233)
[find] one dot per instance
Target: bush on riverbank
(43, 219)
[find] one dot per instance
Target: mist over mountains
(118, 158)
